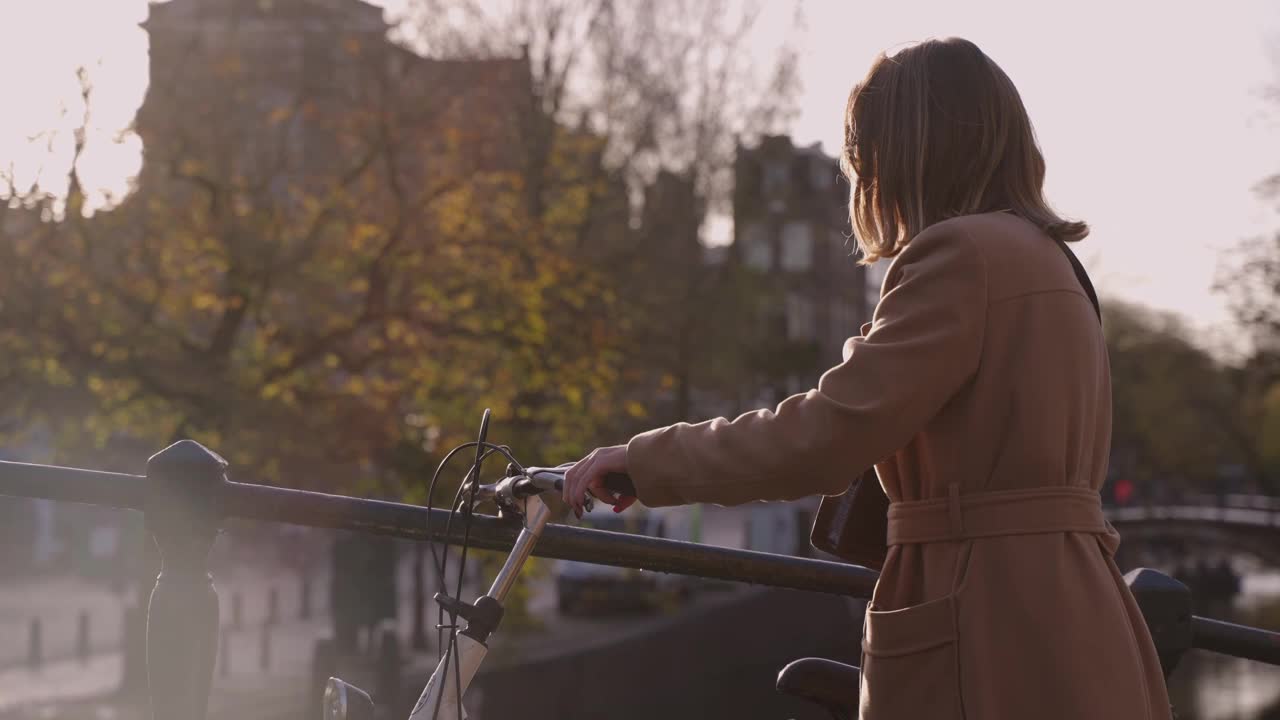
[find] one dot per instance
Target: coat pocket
(909, 664)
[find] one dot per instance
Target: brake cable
(471, 481)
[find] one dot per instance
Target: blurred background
(320, 236)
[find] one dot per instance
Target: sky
(1151, 115)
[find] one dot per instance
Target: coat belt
(990, 514)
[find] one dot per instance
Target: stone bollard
(273, 606)
(35, 645)
(264, 649)
(388, 667)
(418, 634)
(324, 665)
(1166, 607)
(82, 637)
(304, 602)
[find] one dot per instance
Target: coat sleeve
(924, 344)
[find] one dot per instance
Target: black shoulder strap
(1083, 277)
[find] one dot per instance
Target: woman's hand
(587, 475)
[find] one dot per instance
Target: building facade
(281, 90)
(791, 228)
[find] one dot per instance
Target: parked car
(581, 587)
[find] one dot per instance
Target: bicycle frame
(442, 698)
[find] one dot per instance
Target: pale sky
(1150, 114)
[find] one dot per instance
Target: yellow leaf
(573, 395)
(279, 115)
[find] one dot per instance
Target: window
(822, 173)
(757, 251)
(714, 255)
(800, 323)
(773, 323)
(775, 177)
(797, 246)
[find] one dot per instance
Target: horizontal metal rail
(1264, 518)
(1237, 640)
(320, 510)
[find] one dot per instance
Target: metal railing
(1254, 517)
(185, 496)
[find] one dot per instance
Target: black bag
(855, 526)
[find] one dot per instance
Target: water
(1208, 686)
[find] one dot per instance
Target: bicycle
(517, 498)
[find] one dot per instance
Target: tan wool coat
(981, 393)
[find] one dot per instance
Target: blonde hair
(937, 131)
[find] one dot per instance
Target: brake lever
(588, 502)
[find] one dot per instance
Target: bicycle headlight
(344, 701)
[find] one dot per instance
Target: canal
(1207, 686)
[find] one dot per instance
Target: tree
(338, 252)
(669, 88)
(1178, 415)
(1250, 279)
(296, 275)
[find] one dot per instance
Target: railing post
(185, 483)
(304, 594)
(418, 635)
(273, 606)
(35, 645)
(1166, 607)
(324, 665)
(388, 665)
(82, 637)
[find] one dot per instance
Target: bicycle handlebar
(536, 480)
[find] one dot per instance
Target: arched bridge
(1239, 523)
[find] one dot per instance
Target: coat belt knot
(989, 514)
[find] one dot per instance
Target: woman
(981, 393)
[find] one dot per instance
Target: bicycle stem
(536, 516)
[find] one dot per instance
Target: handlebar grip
(616, 483)
(620, 484)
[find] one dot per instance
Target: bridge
(1245, 524)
